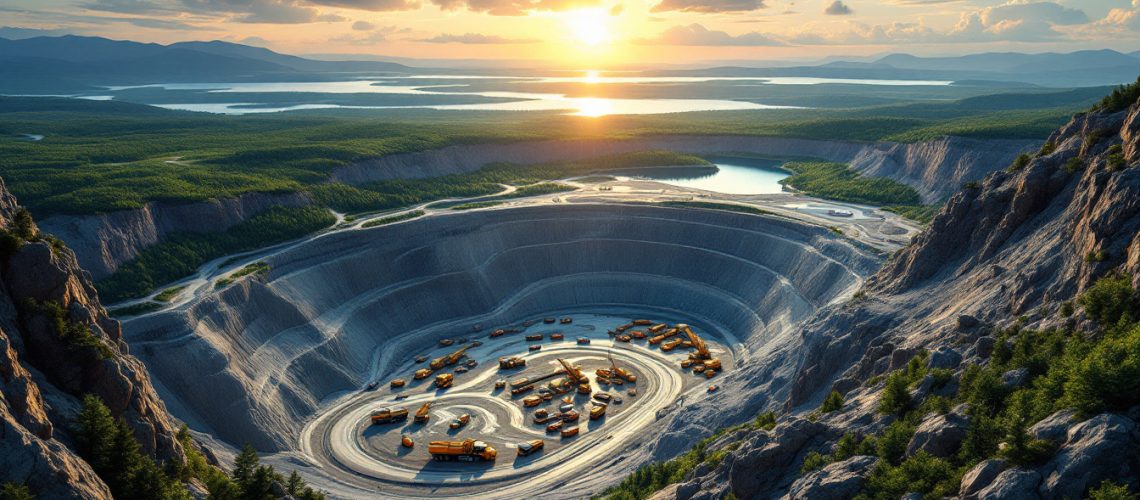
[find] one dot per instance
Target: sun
(589, 26)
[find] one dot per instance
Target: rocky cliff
(1006, 253)
(935, 169)
(57, 345)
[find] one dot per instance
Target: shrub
(1115, 159)
(814, 460)
(833, 402)
(1047, 149)
(766, 420)
(930, 476)
(1073, 165)
(1019, 163)
(891, 445)
(1120, 98)
(1111, 491)
(1108, 378)
(13, 491)
(896, 397)
(1110, 300)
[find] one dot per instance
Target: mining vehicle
(422, 415)
(534, 338)
(499, 384)
(389, 415)
(571, 432)
(623, 338)
(541, 413)
(535, 347)
(461, 369)
(583, 341)
(444, 381)
(603, 396)
(406, 440)
(656, 339)
(637, 334)
(511, 362)
(532, 400)
(714, 388)
(522, 390)
(446, 342)
(450, 359)
(397, 383)
(697, 342)
(642, 322)
(570, 416)
(597, 411)
(460, 421)
(670, 345)
(623, 328)
(422, 373)
(554, 426)
(556, 336)
(421, 358)
(549, 321)
(468, 450)
(567, 320)
(528, 447)
(656, 328)
(585, 389)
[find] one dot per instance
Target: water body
(733, 176)
(456, 86)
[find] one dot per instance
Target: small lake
(733, 176)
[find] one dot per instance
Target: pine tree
(95, 432)
(245, 465)
(123, 461)
(295, 486)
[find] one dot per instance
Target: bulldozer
(444, 381)
(422, 415)
(468, 450)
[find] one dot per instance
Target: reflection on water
(733, 176)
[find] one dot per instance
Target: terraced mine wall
(250, 363)
(935, 168)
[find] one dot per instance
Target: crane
(573, 372)
(699, 343)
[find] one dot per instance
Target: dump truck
(528, 447)
(549, 321)
(637, 334)
(585, 388)
(444, 381)
(536, 347)
(423, 373)
(531, 401)
(571, 432)
(422, 415)
(570, 416)
(624, 327)
(656, 339)
(398, 383)
(642, 322)
(522, 390)
(511, 362)
(657, 328)
(598, 411)
(389, 415)
(557, 336)
(534, 338)
(670, 345)
(468, 450)
(460, 421)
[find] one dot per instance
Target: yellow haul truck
(468, 450)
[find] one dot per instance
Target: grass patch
(169, 294)
(919, 213)
(394, 218)
(477, 204)
(259, 268)
(837, 181)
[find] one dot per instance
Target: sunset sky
(598, 32)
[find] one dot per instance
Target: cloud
(1121, 19)
(372, 5)
(261, 11)
(255, 40)
(697, 35)
(837, 8)
(708, 6)
(515, 7)
(478, 39)
(363, 26)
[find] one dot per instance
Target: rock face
(103, 242)
(43, 375)
(837, 481)
(1018, 241)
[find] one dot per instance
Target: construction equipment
(499, 384)
(534, 338)
(421, 358)
(444, 381)
(541, 413)
(637, 334)
(585, 389)
(406, 440)
(554, 426)
(670, 345)
(714, 388)
(397, 383)
(575, 374)
(522, 390)
(656, 339)
(583, 341)
(389, 415)
(698, 343)
(460, 421)
(571, 432)
(446, 342)
(624, 327)
(422, 415)
(603, 396)
(567, 320)
(570, 416)
(527, 447)
(535, 347)
(549, 321)
(422, 373)
(623, 338)
(657, 328)
(615, 372)
(511, 362)
(531, 401)
(642, 322)
(556, 336)
(450, 359)
(598, 411)
(468, 450)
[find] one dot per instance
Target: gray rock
(911, 496)
(980, 476)
(966, 322)
(1094, 451)
(944, 357)
(1013, 484)
(753, 472)
(984, 346)
(685, 491)
(838, 481)
(1053, 428)
(1016, 377)
(939, 435)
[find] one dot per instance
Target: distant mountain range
(73, 63)
(70, 64)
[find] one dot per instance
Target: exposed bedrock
(251, 362)
(935, 168)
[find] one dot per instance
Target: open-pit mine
(495, 353)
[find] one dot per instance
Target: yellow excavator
(422, 415)
(577, 378)
(450, 359)
(615, 371)
(698, 343)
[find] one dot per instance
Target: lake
(733, 176)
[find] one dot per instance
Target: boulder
(1097, 449)
(1053, 428)
(944, 357)
(1016, 377)
(966, 322)
(939, 435)
(1013, 484)
(984, 346)
(838, 481)
(980, 476)
(760, 463)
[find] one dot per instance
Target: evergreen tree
(245, 465)
(95, 432)
(295, 486)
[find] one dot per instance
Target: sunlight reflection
(593, 107)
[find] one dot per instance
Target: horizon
(597, 34)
